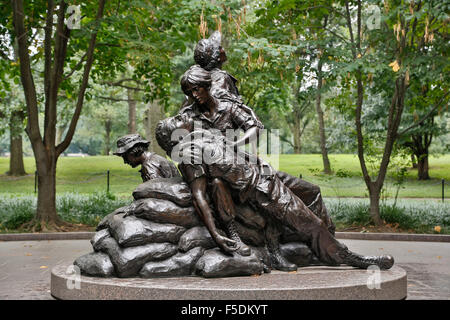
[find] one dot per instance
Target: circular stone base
(309, 283)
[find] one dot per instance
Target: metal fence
(108, 175)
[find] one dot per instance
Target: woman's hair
(196, 76)
(207, 54)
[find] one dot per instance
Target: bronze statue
(134, 151)
(265, 192)
(232, 114)
(224, 215)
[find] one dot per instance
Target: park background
(357, 89)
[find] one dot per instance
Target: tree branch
(87, 68)
(113, 99)
(61, 39)
(349, 25)
(26, 76)
(76, 67)
(429, 114)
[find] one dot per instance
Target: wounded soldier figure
(207, 157)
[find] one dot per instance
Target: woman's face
(200, 94)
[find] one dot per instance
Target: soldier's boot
(383, 262)
(278, 261)
(243, 249)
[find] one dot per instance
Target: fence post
(35, 181)
(443, 184)
(107, 182)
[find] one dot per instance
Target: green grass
(347, 179)
(88, 175)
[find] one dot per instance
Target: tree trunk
(108, 125)
(375, 205)
(131, 112)
(422, 166)
(153, 114)
(16, 166)
(297, 137)
(323, 140)
(46, 204)
(59, 134)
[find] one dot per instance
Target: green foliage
(15, 212)
(74, 208)
(409, 215)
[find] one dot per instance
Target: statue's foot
(243, 249)
(281, 263)
(266, 268)
(384, 262)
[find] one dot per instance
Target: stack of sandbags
(161, 235)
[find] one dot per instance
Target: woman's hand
(223, 243)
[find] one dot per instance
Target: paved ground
(25, 265)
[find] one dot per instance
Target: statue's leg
(272, 235)
(226, 211)
(310, 195)
(284, 205)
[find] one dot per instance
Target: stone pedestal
(308, 283)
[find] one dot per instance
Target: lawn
(88, 175)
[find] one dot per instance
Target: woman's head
(195, 76)
(196, 83)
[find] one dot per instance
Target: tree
(12, 99)
(14, 111)
(427, 99)
(55, 50)
(300, 117)
(406, 28)
(293, 24)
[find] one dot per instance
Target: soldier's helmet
(127, 142)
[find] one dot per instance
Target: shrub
(418, 215)
(74, 208)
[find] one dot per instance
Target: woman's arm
(198, 187)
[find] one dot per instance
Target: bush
(74, 208)
(418, 215)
